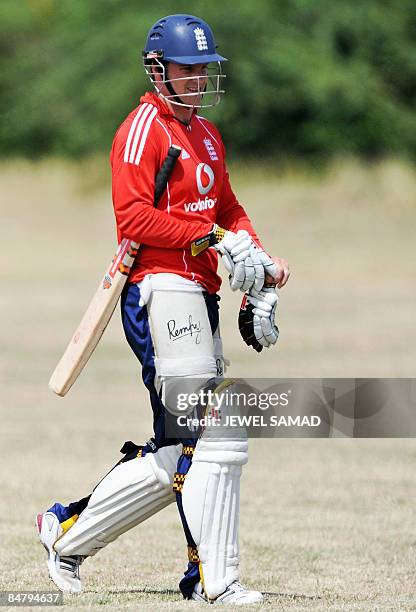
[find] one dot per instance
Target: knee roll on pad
(211, 501)
(132, 492)
(226, 452)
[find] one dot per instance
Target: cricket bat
(101, 308)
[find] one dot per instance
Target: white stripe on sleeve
(132, 130)
(144, 136)
(138, 132)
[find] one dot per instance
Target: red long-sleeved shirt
(198, 193)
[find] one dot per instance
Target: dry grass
(326, 524)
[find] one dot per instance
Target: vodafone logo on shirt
(205, 179)
(201, 204)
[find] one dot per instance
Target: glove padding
(246, 263)
(246, 325)
(256, 319)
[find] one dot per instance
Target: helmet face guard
(209, 87)
(186, 40)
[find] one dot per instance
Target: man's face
(193, 80)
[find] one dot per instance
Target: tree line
(304, 77)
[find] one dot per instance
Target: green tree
(304, 78)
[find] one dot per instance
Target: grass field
(325, 524)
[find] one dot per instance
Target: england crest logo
(201, 41)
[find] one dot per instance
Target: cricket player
(170, 316)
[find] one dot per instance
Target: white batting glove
(264, 305)
(235, 254)
(246, 263)
(264, 266)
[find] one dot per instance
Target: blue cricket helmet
(182, 39)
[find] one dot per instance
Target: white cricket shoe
(236, 594)
(63, 571)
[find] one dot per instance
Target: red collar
(151, 98)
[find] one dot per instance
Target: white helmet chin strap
(211, 87)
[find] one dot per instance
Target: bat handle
(165, 171)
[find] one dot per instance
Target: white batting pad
(132, 492)
(211, 502)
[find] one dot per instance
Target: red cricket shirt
(198, 193)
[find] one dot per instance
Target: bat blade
(95, 319)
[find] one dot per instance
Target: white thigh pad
(179, 320)
(181, 334)
(132, 492)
